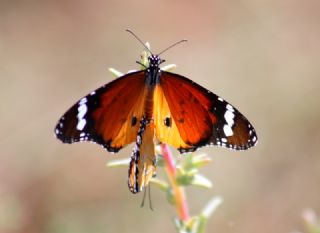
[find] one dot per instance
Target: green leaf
(115, 72)
(169, 67)
(201, 181)
(118, 163)
(207, 212)
(184, 178)
(200, 160)
(211, 206)
(170, 196)
(144, 56)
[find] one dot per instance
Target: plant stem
(178, 191)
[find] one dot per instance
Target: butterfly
(152, 106)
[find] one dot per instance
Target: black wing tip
(59, 134)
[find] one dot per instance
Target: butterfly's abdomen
(148, 105)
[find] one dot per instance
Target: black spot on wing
(168, 121)
(133, 121)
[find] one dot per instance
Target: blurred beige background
(262, 56)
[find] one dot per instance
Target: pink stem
(178, 191)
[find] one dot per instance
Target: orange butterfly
(154, 105)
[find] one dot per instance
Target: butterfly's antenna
(172, 46)
(132, 33)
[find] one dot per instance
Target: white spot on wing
(83, 101)
(230, 108)
(227, 130)
(254, 138)
(81, 124)
(82, 110)
(229, 117)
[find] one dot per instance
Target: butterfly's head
(155, 61)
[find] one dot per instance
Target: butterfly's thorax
(152, 75)
(153, 71)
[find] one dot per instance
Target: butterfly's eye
(168, 122)
(133, 121)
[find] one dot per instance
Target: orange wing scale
(198, 116)
(192, 123)
(116, 110)
(192, 119)
(161, 111)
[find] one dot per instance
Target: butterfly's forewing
(201, 117)
(107, 116)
